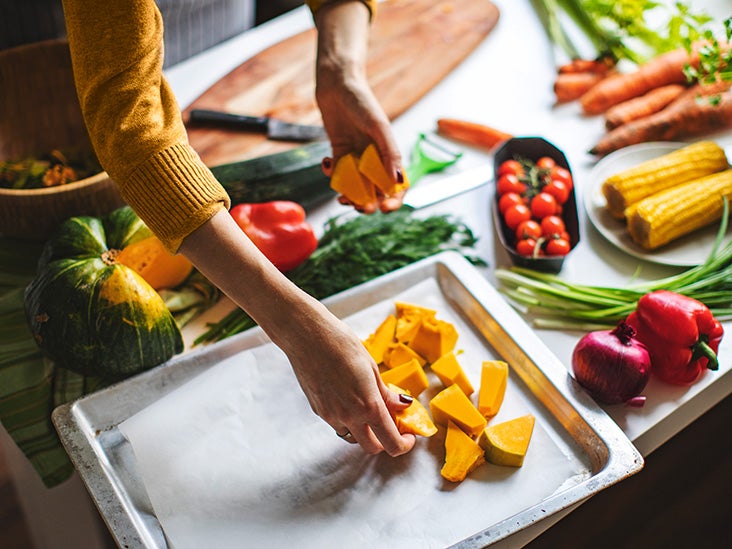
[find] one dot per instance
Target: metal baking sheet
(104, 459)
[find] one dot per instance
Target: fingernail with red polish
(400, 176)
(405, 398)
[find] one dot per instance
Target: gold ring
(347, 436)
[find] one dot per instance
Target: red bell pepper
(280, 231)
(681, 335)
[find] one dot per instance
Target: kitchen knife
(273, 128)
(426, 194)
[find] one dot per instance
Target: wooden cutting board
(414, 44)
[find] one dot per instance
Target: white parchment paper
(236, 458)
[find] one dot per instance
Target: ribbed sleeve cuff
(174, 193)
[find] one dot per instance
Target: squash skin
(92, 315)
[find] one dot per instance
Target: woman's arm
(137, 131)
(352, 115)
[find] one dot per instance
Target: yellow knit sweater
(133, 118)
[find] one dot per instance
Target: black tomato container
(533, 148)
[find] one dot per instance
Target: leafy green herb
(360, 249)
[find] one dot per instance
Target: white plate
(688, 251)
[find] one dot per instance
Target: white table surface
(507, 83)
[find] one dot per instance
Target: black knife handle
(238, 121)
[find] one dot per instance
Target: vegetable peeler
(424, 158)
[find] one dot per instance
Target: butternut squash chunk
(493, 381)
(409, 317)
(409, 375)
(462, 454)
(378, 342)
(349, 182)
(414, 419)
(434, 338)
(506, 443)
(399, 353)
(372, 168)
(452, 404)
(448, 370)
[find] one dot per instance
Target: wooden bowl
(39, 112)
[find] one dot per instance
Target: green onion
(554, 303)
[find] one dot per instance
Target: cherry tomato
(558, 189)
(545, 163)
(509, 183)
(512, 167)
(509, 199)
(552, 225)
(542, 205)
(558, 173)
(526, 247)
(528, 229)
(557, 246)
(515, 215)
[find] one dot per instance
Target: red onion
(612, 365)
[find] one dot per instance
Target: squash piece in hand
(448, 369)
(349, 182)
(493, 380)
(155, 264)
(462, 454)
(434, 338)
(378, 342)
(399, 353)
(409, 375)
(452, 404)
(506, 443)
(414, 418)
(372, 168)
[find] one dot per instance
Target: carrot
(572, 85)
(665, 69)
(687, 116)
(638, 107)
(471, 132)
(600, 66)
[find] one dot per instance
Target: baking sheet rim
(130, 527)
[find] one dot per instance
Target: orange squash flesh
(159, 268)
(451, 404)
(414, 419)
(399, 353)
(409, 375)
(349, 182)
(506, 443)
(434, 338)
(462, 454)
(448, 370)
(493, 380)
(372, 168)
(378, 342)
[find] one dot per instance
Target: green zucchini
(294, 175)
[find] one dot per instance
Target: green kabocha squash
(91, 314)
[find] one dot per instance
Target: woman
(137, 132)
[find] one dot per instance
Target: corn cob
(691, 162)
(680, 210)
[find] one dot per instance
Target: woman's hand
(337, 374)
(352, 116)
(343, 385)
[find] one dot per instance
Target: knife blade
(273, 128)
(427, 194)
